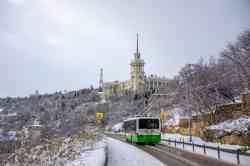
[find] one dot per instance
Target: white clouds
(59, 11)
(67, 36)
(55, 41)
(16, 2)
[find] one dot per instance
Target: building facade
(139, 83)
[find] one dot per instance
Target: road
(123, 154)
(164, 156)
(170, 156)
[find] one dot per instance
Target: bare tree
(239, 54)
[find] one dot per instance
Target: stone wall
(226, 138)
(197, 125)
(245, 98)
(225, 112)
(232, 110)
(200, 122)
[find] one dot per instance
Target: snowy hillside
(95, 156)
(79, 149)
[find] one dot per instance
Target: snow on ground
(1, 109)
(122, 154)
(198, 140)
(236, 100)
(175, 115)
(241, 124)
(244, 160)
(95, 156)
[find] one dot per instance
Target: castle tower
(101, 80)
(137, 72)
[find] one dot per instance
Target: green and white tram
(145, 130)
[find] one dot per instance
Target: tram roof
(141, 117)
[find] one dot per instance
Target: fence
(194, 146)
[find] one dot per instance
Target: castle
(138, 84)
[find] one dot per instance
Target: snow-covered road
(122, 154)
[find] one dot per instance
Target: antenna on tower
(137, 38)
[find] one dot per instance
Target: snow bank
(177, 113)
(241, 124)
(95, 156)
(174, 116)
(236, 101)
(198, 140)
(117, 127)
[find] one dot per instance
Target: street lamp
(190, 124)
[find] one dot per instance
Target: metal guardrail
(237, 152)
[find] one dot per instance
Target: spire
(137, 54)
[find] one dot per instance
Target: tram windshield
(149, 124)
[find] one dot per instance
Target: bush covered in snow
(56, 152)
(235, 131)
(241, 125)
(118, 127)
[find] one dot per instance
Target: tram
(142, 130)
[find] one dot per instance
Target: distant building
(139, 83)
(35, 94)
(33, 132)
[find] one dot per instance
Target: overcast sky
(52, 45)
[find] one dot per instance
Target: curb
(106, 155)
(208, 159)
(188, 162)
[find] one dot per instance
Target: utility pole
(189, 114)
(188, 94)
(190, 126)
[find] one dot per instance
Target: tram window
(130, 125)
(149, 123)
